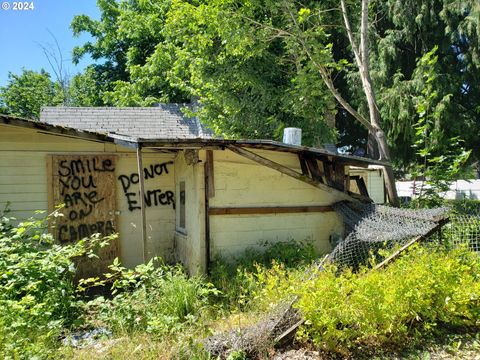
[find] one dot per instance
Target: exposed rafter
(296, 175)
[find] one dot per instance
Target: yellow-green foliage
(242, 280)
(409, 298)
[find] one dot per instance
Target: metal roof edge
(54, 129)
(275, 145)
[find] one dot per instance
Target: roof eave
(259, 144)
(54, 129)
(184, 143)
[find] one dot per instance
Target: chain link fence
(369, 229)
(463, 230)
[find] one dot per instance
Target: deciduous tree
(247, 64)
(26, 93)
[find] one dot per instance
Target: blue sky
(22, 31)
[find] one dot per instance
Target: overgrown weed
(385, 308)
(156, 299)
(158, 311)
(240, 279)
(38, 298)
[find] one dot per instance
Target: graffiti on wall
(83, 184)
(153, 197)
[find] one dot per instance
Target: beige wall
(190, 242)
(23, 182)
(373, 181)
(241, 182)
(238, 183)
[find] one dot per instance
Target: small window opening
(181, 223)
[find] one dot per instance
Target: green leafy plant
(38, 296)
(465, 206)
(463, 230)
(158, 299)
(238, 278)
(406, 301)
(26, 93)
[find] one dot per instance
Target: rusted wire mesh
(368, 228)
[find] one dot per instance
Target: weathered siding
(160, 218)
(190, 242)
(238, 183)
(23, 182)
(241, 182)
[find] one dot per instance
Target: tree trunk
(362, 59)
(372, 146)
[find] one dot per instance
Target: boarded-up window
(181, 222)
(85, 185)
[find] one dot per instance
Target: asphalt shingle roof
(165, 121)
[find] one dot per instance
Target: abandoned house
(201, 195)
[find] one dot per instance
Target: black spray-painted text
(156, 197)
(77, 181)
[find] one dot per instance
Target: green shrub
(37, 293)
(410, 298)
(160, 300)
(289, 253)
(238, 280)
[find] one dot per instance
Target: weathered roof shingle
(165, 121)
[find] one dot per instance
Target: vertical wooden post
(303, 165)
(209, 192)
(141, 182)
(339, 175)
(328, 172)
(210, 173)
(347, 183)
(314, 169)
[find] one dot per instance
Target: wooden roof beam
(296, 175)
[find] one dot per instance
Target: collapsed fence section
(369, 228)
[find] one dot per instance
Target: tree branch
(325, 75)
(364, 34)
(328, 81)
(350, 33)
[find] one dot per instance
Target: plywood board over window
(85, 185)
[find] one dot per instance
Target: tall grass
(237, 278)
(157, 299)
(165, 312)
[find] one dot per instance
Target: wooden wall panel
(85, 185)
